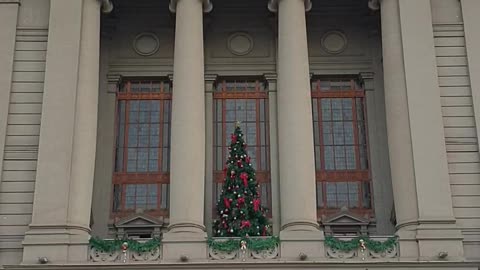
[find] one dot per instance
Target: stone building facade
(362, 119)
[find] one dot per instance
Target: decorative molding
(240, 43)
(146, 44)
(207, 6)
(10, 2)
(362, 251)
(113, 82)
(271, 79)
(209, 82)
(243, 251)
(367, 80)
(290, 264)
(334, 42)
(273, 5)
(126, 256)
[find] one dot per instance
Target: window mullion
(356, 139)
(257, 133)
(125, 138)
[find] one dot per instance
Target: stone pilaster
(471, 20)
(437, 231)
(63, 187)
(209, 200)
(186, 232)
(398, 129)
(273, 127)
(295, 135)
(8, 31)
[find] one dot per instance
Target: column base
(59, 245)
(185, 242)
(407, 242)
(302, 238)
(440, 241)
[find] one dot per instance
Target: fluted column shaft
(295, 130)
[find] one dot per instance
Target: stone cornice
(273, 5)
(207, 6)
(255, 265)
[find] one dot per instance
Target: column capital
(211, 77)
(210, 81)
(273, 5)
(207, 5)
(114, 81)
(271, 79)
(367, 80)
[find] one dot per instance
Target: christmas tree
(239, 209)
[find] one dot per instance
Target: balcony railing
(378, 248)
(365, 249)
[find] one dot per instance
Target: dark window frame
(155, 92)
(357, 180)
(242, 88)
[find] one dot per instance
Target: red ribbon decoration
(234, 138)
(226, 202)
(245, 223)
(241, 200)
(247, 159)
(256, 205)
(244, 177)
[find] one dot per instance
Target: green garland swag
(254, 244)
(349, 245)
(116, 244)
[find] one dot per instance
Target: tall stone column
(63, 189)
(295, 133)
(437, 230)
(85, 128)
(471, 21)
(186, 235)
(398, 129)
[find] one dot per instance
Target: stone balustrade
(239, 251)
(363, 252)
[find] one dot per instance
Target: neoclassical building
(362, 119)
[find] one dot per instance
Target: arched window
(142, 151)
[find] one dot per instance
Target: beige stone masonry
(209, 184)
(437, 231)
(470, 9)
(398, 129)
(8, 22)
(295, 136)
(186, 233)
(63, 189)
